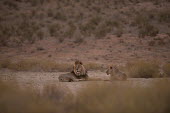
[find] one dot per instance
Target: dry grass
(15, 100)
(93, 66)
(95, 98)
(35, 65)
(143, 69)
(124, 99)
(43, 65)
(166, 69)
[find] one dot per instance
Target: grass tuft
(166, 69)
(143, 69)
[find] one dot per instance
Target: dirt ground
(38, 80)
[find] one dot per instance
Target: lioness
(116, 74)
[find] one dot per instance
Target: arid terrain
(102, 31)
(38, 80)
(41, 39)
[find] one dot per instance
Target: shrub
(27, 29)
(148, 30)
(50, 13)
(102, 31)
(89, 28)
(40, 48)
(119, 32)
(5, 34)
(112, 23)
(141, 19)
(164, 15)
(54, 30)
(151, 43)
(143, 69)
(166, 69)
(11, 4)
(60, 16)
(79, 40)
(71, 30)
(40, 34)
(5, 63)
(61, 40)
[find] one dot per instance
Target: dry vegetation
(26, 21)
(42, 65)
(13, 99)
(166, 69)
(143, 69)
(96, 98)
(135, 69)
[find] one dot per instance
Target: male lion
(68, 77)
(116, 74)
(79, 70)
(77, 74)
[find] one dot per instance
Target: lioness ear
(115, 67)
(81, 63)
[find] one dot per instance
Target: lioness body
(116, 74)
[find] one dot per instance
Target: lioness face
(109, 70)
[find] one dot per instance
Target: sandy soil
(38, 80)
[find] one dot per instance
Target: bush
(40, 34)
(89, 28)
(119, 32)
(102, 31)
(54, 30)
(79, 40)
(60, 16)
(164, 15)
(166, 69)
(143, 69)
(71, 30)
(148, 30)
(5, 63)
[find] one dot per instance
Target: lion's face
(78, 69)
(109, 70)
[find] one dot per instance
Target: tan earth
(38, 80)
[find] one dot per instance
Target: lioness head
(109, 70)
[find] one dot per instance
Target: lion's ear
(115, 67)
(81, 63)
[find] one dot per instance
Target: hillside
(104, 31)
